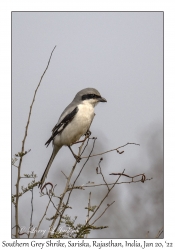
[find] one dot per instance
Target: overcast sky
(121, 55)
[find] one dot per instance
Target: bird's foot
(88, 133)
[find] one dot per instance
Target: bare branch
(88, 208)
(115, 149)
(108, 205)
(102, 173)
(31, 213)
(159, 233)
(102, 184)
(132, 177)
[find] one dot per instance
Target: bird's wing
(60, 126)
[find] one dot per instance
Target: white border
(5, 94)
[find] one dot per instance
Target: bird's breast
(79, 125)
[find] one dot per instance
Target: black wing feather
(61, 126)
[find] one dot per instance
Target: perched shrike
(74, 122)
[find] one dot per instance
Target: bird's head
(90, 95)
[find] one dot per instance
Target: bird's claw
(88, 133)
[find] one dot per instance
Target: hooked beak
(102, 99)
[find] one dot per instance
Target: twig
(64, 174)
(89, 205)
(103, 212)
(85, 161)
(122, 182)
(115, 149)
(86, 145)
(159, 233)
(31, 213)
(147, 234)
(102, 173)
(132, 177)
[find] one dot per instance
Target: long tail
(55, 151)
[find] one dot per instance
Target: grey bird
(73, 123)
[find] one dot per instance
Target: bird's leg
(88, 133)
(78, 158)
